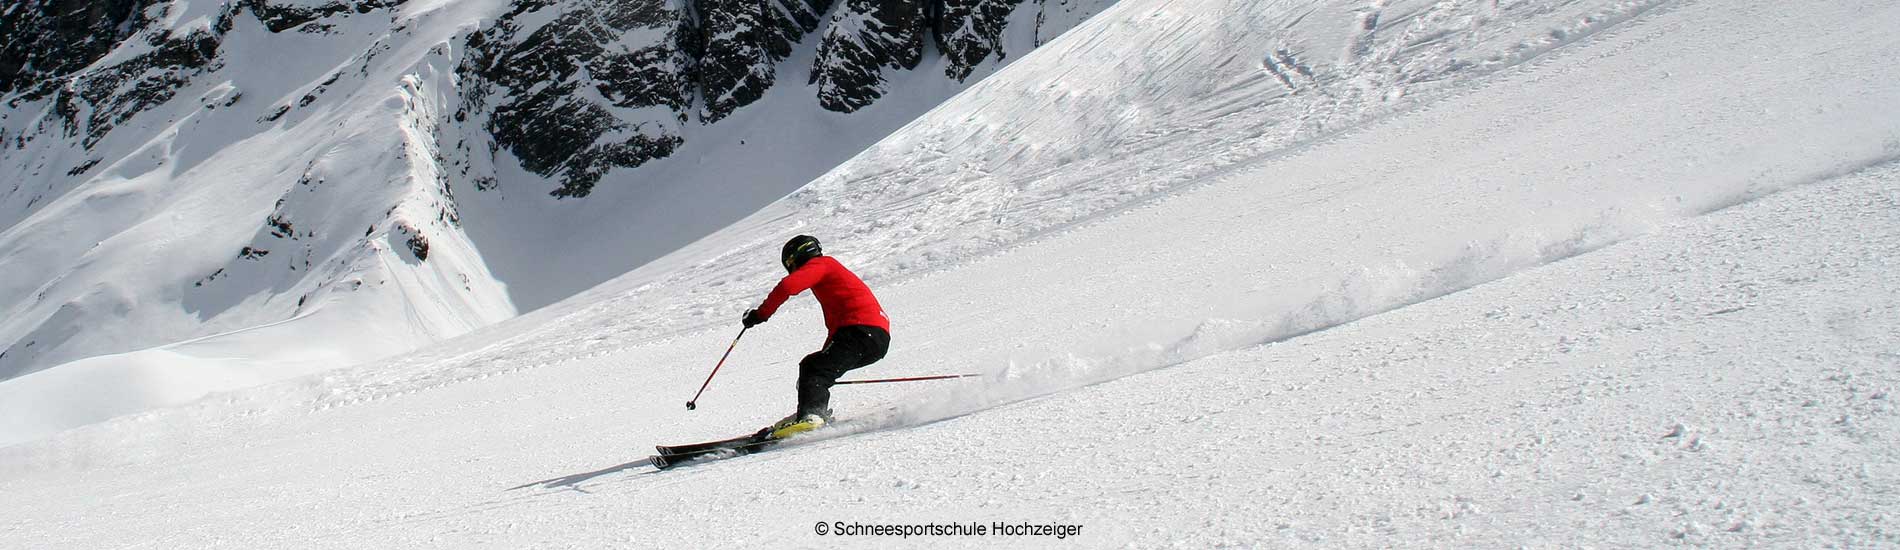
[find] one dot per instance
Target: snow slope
(217, 247)
(1635, 290)
(286, 215)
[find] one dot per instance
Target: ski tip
(660, 461)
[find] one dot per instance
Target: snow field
(1635, 292)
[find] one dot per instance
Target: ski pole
(909, 379)
(690, 405)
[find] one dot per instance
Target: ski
(736, 447)
(755, 437)
(674, 455)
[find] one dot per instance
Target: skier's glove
(752, 318)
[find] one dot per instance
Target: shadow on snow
(573, 481)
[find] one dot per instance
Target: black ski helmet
(798, 250)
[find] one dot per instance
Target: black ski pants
(851, 347)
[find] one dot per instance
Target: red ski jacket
(845, 299)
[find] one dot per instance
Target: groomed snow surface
(1637, 290)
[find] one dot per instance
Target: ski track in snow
(1636, 293)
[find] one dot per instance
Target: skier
(858, 331)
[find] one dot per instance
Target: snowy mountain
(1305, 274)
(211, 195)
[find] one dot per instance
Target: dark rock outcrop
(51, 38)
(58, 40)
(864, 38)
(970, 31)
(560, 90)
(615, 83)
(279, 17)
(50, 44)
(120, 91)
(738, 45)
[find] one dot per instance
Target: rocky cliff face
(865, 38)
(602, 83)
(59, 38)
(739, 44)
(574, 89)
(971, 32)
(55, 37)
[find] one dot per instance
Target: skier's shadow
(573, 481)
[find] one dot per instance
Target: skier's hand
(752, 318)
